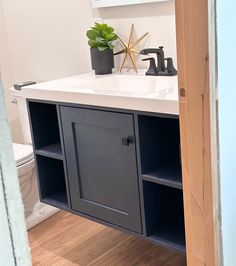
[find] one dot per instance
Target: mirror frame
(111, 3)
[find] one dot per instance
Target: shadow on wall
(136, 11)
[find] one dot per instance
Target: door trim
(198, 124)
(14, 243)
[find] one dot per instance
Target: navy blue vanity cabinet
(101, 162)
(121, 168)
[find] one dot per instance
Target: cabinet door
(101, 162)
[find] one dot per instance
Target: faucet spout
(147, 51)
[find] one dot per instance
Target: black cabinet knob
(127, 141)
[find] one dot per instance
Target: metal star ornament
(130, 49)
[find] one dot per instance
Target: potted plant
(101, 40)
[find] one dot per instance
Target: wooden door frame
(195, 29)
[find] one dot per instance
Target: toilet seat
(23, 154)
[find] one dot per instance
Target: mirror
(109, 3)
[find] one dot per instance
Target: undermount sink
(133, 86)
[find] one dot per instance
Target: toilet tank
(20, 101)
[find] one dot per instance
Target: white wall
(46, 39)
(44, 42)
(227, 125)
(158, 19)
(7, 76)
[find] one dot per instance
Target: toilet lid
(22, 153)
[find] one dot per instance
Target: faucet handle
(148, 59)
(170, 66)
(152, 71)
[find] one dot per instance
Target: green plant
(101, 36)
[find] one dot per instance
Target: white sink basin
(132, 86)
(131, 92)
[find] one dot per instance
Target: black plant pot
(102, 62)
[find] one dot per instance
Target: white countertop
(125, 91)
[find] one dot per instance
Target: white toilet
(35, 211)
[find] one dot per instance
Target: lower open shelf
(164, 215)
(57, 199)
(170, 236)
(52, 183)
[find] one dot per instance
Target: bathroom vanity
(108, 148)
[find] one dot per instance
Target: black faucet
(160, 69)
(152, 71)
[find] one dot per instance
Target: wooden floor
(67, 239)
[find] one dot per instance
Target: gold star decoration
(130, 48)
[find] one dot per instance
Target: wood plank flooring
(69, 240)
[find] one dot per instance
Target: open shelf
(45, 127)
(58, 199)
(164, 215)
(159, 140)
(51, 179)
(170, 236)
(168, 175)
(52, 151)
